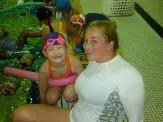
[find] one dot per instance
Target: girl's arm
(77, 68)
(43, 77)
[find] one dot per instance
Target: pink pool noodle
(21, 73)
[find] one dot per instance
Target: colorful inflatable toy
(9, 85)
(34, 76)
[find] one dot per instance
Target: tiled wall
(153, 7)
(91, 5)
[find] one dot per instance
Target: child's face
(56, 53)
(76, 27)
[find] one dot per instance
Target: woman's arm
(131, 92)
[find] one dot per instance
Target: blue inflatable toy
(63, 5)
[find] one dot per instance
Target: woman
(107, 89)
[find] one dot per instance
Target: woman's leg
(40, 113)
(53, 94)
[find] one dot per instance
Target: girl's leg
(40, 113)
(69, 93)
(53, 94)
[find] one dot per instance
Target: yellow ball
(119, 51)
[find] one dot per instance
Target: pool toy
(78, 19)
(34, 76)
(33, 95)
(119, 51)
(20, 1)
(6, 54)
(21, 6)
(9, 85)
(21, 73)
(63, 5)
(26, 61)
(62, 81)
(8, 44)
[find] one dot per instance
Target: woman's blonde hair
(109, 28)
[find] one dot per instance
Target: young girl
(58, 68)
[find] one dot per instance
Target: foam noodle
(21, 73)
(34, 76)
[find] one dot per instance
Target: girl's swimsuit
(68, 78)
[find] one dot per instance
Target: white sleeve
(131, 93)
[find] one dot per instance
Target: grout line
(156, 26)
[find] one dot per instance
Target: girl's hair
(45, 14)
(109, 28)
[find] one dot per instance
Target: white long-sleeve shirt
(109, 91)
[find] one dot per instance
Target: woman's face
(56, 54)
(95, 45)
